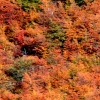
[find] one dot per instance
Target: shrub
(19, 68)
(28, 5)
(56, 32)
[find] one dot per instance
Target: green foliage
(56, 33)
(51, 60)
(67, 4)
(30, 24)
(72, 73)
(28, 5)
(19, 68)
(80, 2)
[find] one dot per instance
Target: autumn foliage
(49, 50)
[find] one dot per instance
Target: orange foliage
(63, 45)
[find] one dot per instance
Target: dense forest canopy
(49, 49)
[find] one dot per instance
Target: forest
(49, 49)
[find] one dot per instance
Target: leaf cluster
(28, 5)
(19, 68)
(56, 32)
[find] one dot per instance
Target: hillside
(49, 49)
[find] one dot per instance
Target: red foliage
(62, 67)
(10, 12)
(19, 37)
